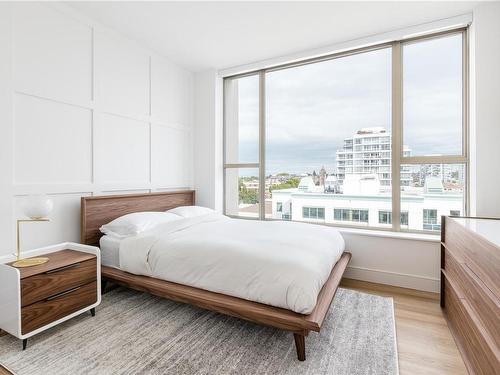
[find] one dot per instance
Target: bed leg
(300, 345)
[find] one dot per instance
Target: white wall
(408, 263)
(486, 109)
(208, 140)
(84, 111)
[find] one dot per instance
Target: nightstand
(36, 298)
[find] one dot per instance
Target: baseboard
(422, 283)
(384, 289)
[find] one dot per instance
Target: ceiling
(203, 35)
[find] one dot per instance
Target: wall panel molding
(52, 54)
(52, 142)
(98, 109)
(121, 149)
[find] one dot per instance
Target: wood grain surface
(100, 210)
(41, 313)
(470, 280)
(480, 356)
(479, 254)
(43, 285)
(241, 308)
(57, 259)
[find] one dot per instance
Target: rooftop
(412, 196)
(372, 130)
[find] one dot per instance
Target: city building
(369, 152)
(363, 203)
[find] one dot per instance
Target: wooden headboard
(100, 210)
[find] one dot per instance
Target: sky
(311, 109)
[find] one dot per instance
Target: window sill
(362, 231)
(390, 234)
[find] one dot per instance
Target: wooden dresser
(36, 298)
(470, 289)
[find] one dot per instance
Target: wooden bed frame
(99, 210)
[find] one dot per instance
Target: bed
(274, 302)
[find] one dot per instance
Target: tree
(247, 196)
(290, 184)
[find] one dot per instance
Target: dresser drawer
(480, 352)
(455, 272)
(57, 306)
(478, 254)
(485, 304)
(49, 283)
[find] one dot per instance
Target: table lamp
(37, 208)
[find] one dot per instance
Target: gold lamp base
(29, 262)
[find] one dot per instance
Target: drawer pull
(62, 293)
(63, 268)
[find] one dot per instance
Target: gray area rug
(135, 333)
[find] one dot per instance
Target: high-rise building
(369, 152)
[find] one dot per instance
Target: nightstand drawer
(57, 306)
(49, 283)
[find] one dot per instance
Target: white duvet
(277, 263)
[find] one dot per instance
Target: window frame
(398, 158)
(279, 207)
(389, 215)
(434, 218)
(351, 211)
(309, 208)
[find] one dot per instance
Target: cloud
(312, 108)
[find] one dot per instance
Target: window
(430, 216)
(438, 188)
(433, 126)
(242, 120)
(308, 119)
(430, 220)
(241, 151)
(287, 215)
(353, 215)
(242, 192)
(336, 132)
(432, 96)
(313, 213)
(404, 218)
(385, 217)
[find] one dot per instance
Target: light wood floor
(425, 345)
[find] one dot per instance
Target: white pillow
(135, 223)
(191, 211)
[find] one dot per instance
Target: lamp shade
(38, 206)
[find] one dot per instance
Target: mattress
(110, 251)
(283, 264)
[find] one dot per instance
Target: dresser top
(57, 259)
(489, 229)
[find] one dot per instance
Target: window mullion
(262, 144)
(397, 117)
(465, 115)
